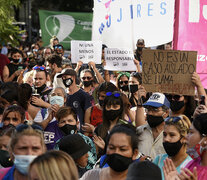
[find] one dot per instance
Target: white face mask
(59, 100)
(22, 162)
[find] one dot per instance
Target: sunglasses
(152, 109)
(57, 47)
(88, 78)
(42, 68)
(123, 82)
(173, 119)
(115, 94)
(175, 97)
(22, 127)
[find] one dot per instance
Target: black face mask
(133, 88)
(87, 83)
(101, 102)
(154, 121)
(67, 82)
(139, 48)
(40, 89)
(112, 114)
(172, 148)
(68, 129)
(5, 159)
(118, 162)
(176, 105)
(124, 88)
(15, 60)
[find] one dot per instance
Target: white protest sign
(119, 59)
(120, 23)
(86, 51)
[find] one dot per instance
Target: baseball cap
(67, 72)
(157, 100)
(140, 41)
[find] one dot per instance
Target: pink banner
(190, 31)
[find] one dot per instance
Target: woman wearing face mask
(181, 104)
(89, 81)
(26, 144)
(121, 151)
(93, 115)
(46, 117)
(122, 82)
(174, 142)
(68, 123)
(186, 105)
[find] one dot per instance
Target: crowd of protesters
(66, 121)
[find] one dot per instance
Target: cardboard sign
(169, 71)
(86, 51)
(119, 59)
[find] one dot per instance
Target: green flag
(66, 26)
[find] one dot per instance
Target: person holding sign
(89, 81)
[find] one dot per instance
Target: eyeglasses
(42, 68)
(123, 82)
(22, 127)
(87, 77)
(175, 97)
(115, 93)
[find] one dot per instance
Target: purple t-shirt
(51, 134)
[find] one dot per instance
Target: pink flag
(190, 31)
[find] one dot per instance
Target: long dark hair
(110, 100)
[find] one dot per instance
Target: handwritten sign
(86, 51)
(169, 71)
(119, 59)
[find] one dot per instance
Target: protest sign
(119, 59)
(120, 23)
(66, 26)
(86, 51)
(190, 32)
(169, 71)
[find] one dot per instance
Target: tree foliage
(8, 31)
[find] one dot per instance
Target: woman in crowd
(174, 142)
(55, 165)
(121, 151)
(113, 111)
(68, 124)
(122, 82)
(5, 137)
(46, 117)
(135, 81)
(197, 149)
(26, 144)
(13, 115)
(93, 115)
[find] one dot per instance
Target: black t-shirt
(14, 67)
(79, 101)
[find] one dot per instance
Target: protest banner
(120, 23)
(86, 51)
(190, 32)
(66, 26)
(169, 71)
(119, 59)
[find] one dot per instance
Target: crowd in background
(66, 121)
